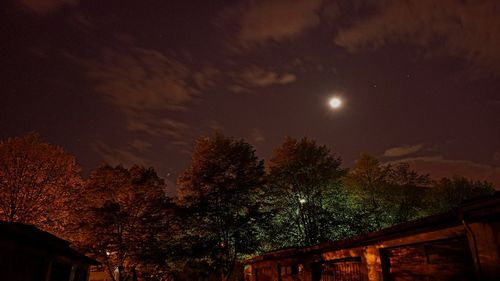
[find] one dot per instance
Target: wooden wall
(464, 252)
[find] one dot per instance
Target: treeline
(230, 205)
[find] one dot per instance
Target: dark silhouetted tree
(406, 193)
(446, 194)
(220, 189)
(368, 181)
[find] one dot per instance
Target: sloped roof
(30, 235)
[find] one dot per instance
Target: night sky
(138, 81)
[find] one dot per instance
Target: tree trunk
(120, 273)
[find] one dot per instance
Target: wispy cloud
(140, 145)
(215, 125)
(46, 7)
(145, 85)
(496, 157)
(155, 93)
(141, 79)
(404, 150)
(126, 155)
(262, 78)
(257, 136)
(261, 22)
(469, 29)
(207, 77)
(259, 77)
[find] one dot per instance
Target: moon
(335, 102)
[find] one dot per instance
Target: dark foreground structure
(460, 245)
(30, 254)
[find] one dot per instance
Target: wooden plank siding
(348, 269)
(444, 260)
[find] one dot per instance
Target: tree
(368, 180)
(304, 186)
(446, 194)
(38, 183)
(126, 213)
(407, 191)
(220, 189)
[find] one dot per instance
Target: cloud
(142, 79)
(235, 88)
(45, 7)
(438, 167)
(121, 155)
(145, 85)
(140, 145)
(206, 78)
(496, 157)
(257, 135)
(469, 29)
(259, 77)
(402, 150)
(274, 20)
(215, 125)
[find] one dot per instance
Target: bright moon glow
(335, 103)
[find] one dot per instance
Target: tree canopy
(448, 193)
(221, 188)
(38, 182)
(229, 206)
(304, 186)
(124, 215)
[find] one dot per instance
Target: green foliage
(304, 188)
(368, 183)
(228, 207)
(387, 195)
(221, 190)
(446, 194)
(407, 192)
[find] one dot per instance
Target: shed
(30, 254)
(463, 244)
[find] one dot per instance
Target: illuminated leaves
(38, 182)
(219, 190)
(125, 212)
(303, 183)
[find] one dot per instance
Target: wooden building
(30, 254)
(460, 245)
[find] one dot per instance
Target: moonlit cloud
(259, 77)
(215, 125)
(402, 150)
(140, 145)
(469, 29)
(142, 80)
(206, 78)
(496, 157)
(45, 7)
(257, 136)
(274, 20)
(144, 84)
(125, 155)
